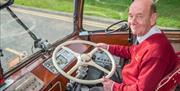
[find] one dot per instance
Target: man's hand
(107, 84)
(103, 45)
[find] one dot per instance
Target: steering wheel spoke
(93, 51)
(92, 63)
(74, 68)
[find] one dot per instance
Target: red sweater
(151, 60)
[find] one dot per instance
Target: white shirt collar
(152, 31)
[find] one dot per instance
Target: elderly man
(151, 60)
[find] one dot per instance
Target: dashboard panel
(63, 58)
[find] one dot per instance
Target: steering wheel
(118, 26)
(84, 59)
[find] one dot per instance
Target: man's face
(139, 18)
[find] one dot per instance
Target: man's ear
(153, 19)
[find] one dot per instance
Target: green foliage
(169, 13)
(168, 10)
(58, 5)
(116, 9)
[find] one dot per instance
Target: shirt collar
(152, 31)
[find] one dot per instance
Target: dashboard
(35, 76)
(64, 57)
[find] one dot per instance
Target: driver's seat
(170, 82)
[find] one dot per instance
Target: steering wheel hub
(85, 58)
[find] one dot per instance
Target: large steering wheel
(83, 59)
(118, 26)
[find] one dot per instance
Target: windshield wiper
(1, 53)
(38, 42)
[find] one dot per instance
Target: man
(151, 60)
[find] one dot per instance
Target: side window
(100, 14)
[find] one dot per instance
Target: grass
(168, 10)
(58, 5)
(169, 13)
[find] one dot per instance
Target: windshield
(17, 44)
